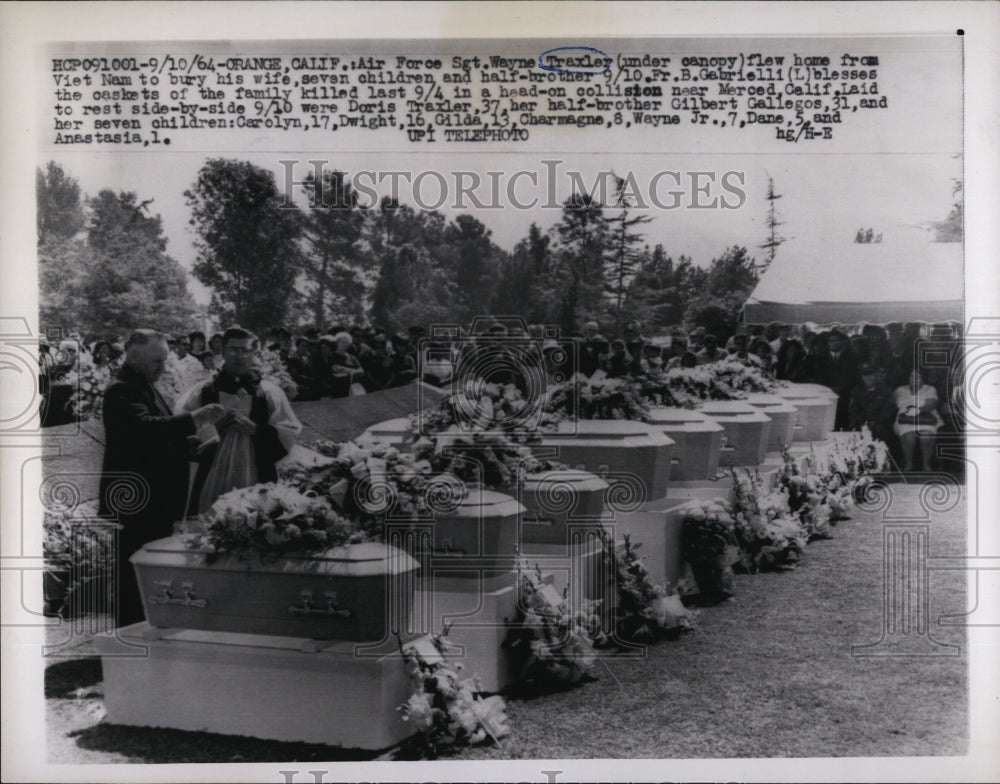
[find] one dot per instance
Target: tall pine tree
(248, 243)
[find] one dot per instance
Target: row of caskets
(361, 591)
(294, 648)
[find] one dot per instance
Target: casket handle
(167, 597)
(308, 607)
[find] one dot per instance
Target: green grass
(768, 674)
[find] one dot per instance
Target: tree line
(104, 266)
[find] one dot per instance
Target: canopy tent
(899, 279)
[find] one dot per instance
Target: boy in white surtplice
(258, 429)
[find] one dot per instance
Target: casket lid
(803, 397)
(770, 402)
(487, 503)
(608, 430)
(364, 559)
(734, 411)
(727, 407)
(671, 415)
(579, 480)
(798, 388)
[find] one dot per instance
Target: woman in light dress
(917, 420)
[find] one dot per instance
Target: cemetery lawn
(769, 673)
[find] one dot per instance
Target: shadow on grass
(163, 746)
(531, 689)
(63, 680)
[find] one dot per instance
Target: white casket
(553, 499)
(636, 453)
(697, 442)
(783, 419)
(340, 594)
(817, 407)
(747, 429)
(480, 532)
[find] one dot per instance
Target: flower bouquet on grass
(770, 537)
(816, 499)
(77, 549)
(858, 460)
(645, 611)
(88, 382)
(556, 642)
(446, 709)
(708, 538)
(270, 520)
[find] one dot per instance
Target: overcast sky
(890, 169)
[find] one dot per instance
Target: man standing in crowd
(844, 373)
(145, 451)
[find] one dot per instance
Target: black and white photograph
(500, 391)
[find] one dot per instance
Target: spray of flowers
(271, 519)
(88, 382)
(597, 398)
(769, 535)
(857, 460)
(480, 434)
(556, 641)
(817, 499)
(367, 481)
(446, 709)
(645, 611)
(707, 530)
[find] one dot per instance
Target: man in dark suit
(843, 367)
(144, 480)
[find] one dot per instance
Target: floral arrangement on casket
(480, 435)
(88, 382)
(708, 539)
(680, 387)
(269, 520)
(446, 709)
(769, 535)
(598, 397)
(738, 379)
(629, 398)
(369, 482)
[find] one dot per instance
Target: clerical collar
(227, 382)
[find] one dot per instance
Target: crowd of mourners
(873, 369)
